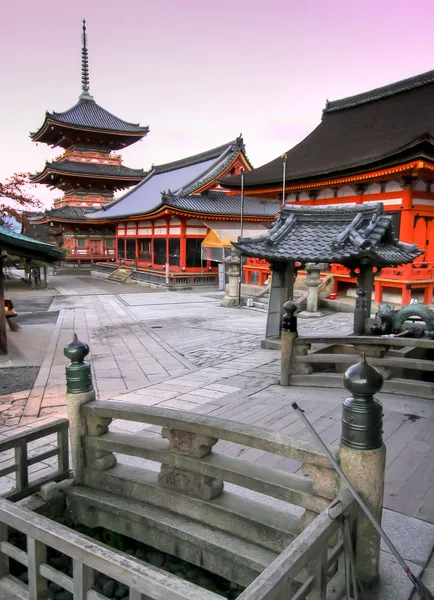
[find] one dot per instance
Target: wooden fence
(20, 463)
(403, 362)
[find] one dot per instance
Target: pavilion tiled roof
(21, 245)
(88, 114)
(333, 234)
(368, 131)
(176, 179)
(87, 168)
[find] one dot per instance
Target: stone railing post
(288, 335)
(193, 484)
(79, 391)
(234, 274)
(362, 457)
(360, 313)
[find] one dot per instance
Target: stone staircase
(120, 275)
(261, 302)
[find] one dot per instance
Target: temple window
(193, 252)
(130, 249)
(121, 249)
(81, 243)
(109, 243)
(160, 251)
(174, 252)
(145, 250)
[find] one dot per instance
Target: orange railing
(412, 272)
(256, 271)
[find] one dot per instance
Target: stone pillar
(79, 391)
(362, 456)
(282, 290)
(360, 313)
(289, 333)
(187, 482)
(365, 281)
(234, 272)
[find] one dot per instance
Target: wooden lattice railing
(20, 461)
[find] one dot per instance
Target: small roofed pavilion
(358, 237)
(20, 245)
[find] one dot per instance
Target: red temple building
(377, 146)
(177, 224)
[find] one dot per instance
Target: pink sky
(200, 72)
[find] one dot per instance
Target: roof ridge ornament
(84, 66)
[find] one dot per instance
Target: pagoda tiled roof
(69, 212)
(90, 115)
(88, 168)
(365, 132)
(339, 234)
(220, 203)
(179, 178)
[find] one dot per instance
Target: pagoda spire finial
(84, 66)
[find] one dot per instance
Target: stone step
(120, 275)
(260, 306)
(263, 300)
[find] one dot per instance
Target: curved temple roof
(173, 180)
(72, 168)
(333, 234)
(90, 115)
(366, 131)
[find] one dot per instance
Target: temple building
(178, 223)
(377, 146)
(88, 172)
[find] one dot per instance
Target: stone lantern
(313, 281)
(234, 272)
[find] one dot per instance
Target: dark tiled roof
(404, 85)
(374, 129)
(178, 178)
(21, 245)
(69, 166)
(69, 212)
(221, 204)
(236, 145)
(87, 113)
(333, 234)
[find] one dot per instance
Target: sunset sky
(200, 72)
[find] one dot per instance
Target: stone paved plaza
(182, 350)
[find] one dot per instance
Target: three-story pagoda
(90, 169)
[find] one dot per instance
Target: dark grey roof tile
(69, 166)
(375, 129)
(87, 113)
